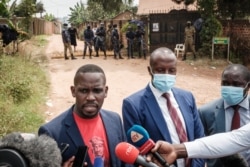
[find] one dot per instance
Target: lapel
(71, 129)
(109, 124)
(219, 114)
(185, 110)
(156, 114)
(73, 133)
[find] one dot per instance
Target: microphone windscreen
(126, 152)
(98, 162)
(137, 135)
(234, 160)
(38, 151)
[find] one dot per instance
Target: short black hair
(90, 68)
(241, 68)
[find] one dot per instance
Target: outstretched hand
(166, 150)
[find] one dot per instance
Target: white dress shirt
(220, 144)
(164, 109)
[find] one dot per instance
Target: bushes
(23, 88)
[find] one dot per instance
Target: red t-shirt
(94, 136)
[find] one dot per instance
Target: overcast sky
(60, 8)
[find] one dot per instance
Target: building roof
(146, 7)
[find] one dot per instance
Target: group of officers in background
(103, 40)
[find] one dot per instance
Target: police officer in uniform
(88, 36)
(116, 42)
(67, 42)
(100, 40)
(130, 35)
(189, 40)
(139, 34)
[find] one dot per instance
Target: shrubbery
(23, 86)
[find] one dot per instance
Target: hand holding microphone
(140, 138)
(130, 154)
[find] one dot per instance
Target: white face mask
(164, 82)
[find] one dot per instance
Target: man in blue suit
(217, 115)
(148, 108)
(85, 123)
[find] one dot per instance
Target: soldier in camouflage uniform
(67, 42)
(189, 40)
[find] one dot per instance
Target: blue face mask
(232, 95)
(163, 82)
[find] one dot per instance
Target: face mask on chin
(232, 95)
(164, 82)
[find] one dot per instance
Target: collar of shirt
(244, 104)
(157, 93)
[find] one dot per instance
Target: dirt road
(123, 78)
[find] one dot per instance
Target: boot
(184, 57)
(73, 57)
(194, 57)
(96, 55)
(66, 57)
(120, 56)
(90, 54)
(105, 56)
(84, 53)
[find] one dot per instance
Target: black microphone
(234, 160)
(29, 150)
(130, 154)
(140, 138)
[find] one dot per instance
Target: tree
(26, 9)
(78, 14)
(110, 5)
(49, 17)
(233, 8)
(40, 8)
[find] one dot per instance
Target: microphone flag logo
(135, 136)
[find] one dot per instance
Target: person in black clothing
(73, 35)
(100, 40)
(88, 36)
(139, 37)
(130, 35)
(116, 42)
(66, 42)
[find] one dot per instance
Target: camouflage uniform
(189, 39)
(66, 42)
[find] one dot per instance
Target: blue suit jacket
(142, 108)
(212, 116)
(64, 130)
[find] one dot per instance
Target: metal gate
(167, 29)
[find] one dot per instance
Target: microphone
(130, 154)
(140, 138)
(98, 162)
(28, 150)
(234, 160)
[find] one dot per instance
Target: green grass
(23, 88)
